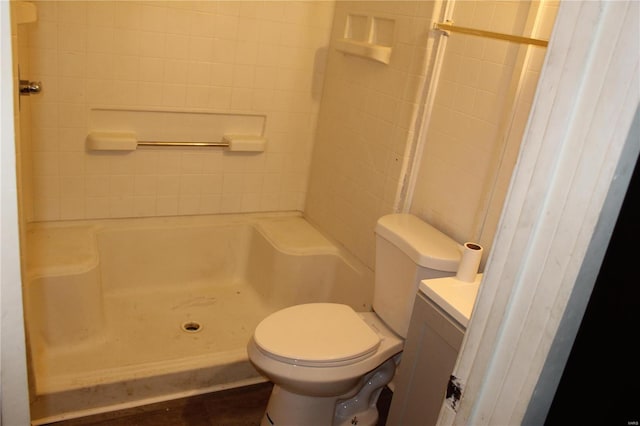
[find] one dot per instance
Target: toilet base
(290, 409)
(357, 407)
(361, 409)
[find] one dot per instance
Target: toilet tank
(408, 250)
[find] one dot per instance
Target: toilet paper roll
(471, 256)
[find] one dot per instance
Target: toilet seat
(316, 334)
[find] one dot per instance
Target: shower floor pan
(157, 346)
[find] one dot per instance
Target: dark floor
(235, 407)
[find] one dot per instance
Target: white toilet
(329, 363)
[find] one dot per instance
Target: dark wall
(600, 384)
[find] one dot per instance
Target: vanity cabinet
(430, 353)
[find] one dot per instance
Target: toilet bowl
(328, 362)
(320, 351)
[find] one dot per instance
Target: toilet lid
(316, 332)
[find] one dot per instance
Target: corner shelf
(367, 36)
(363, 49)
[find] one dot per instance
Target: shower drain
(191, 326)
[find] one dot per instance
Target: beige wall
(366, 126)
(479, 115)
(255, 57)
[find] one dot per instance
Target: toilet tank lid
(423, 243)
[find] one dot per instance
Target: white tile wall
(266, 57)
(474, 136)
(366, 126)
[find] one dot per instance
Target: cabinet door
(430, 353)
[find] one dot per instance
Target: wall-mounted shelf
(369, 37)
(366, 50)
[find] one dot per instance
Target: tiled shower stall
(343, 132)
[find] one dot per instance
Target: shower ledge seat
(61, 250)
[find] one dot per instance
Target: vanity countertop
(455, 297)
